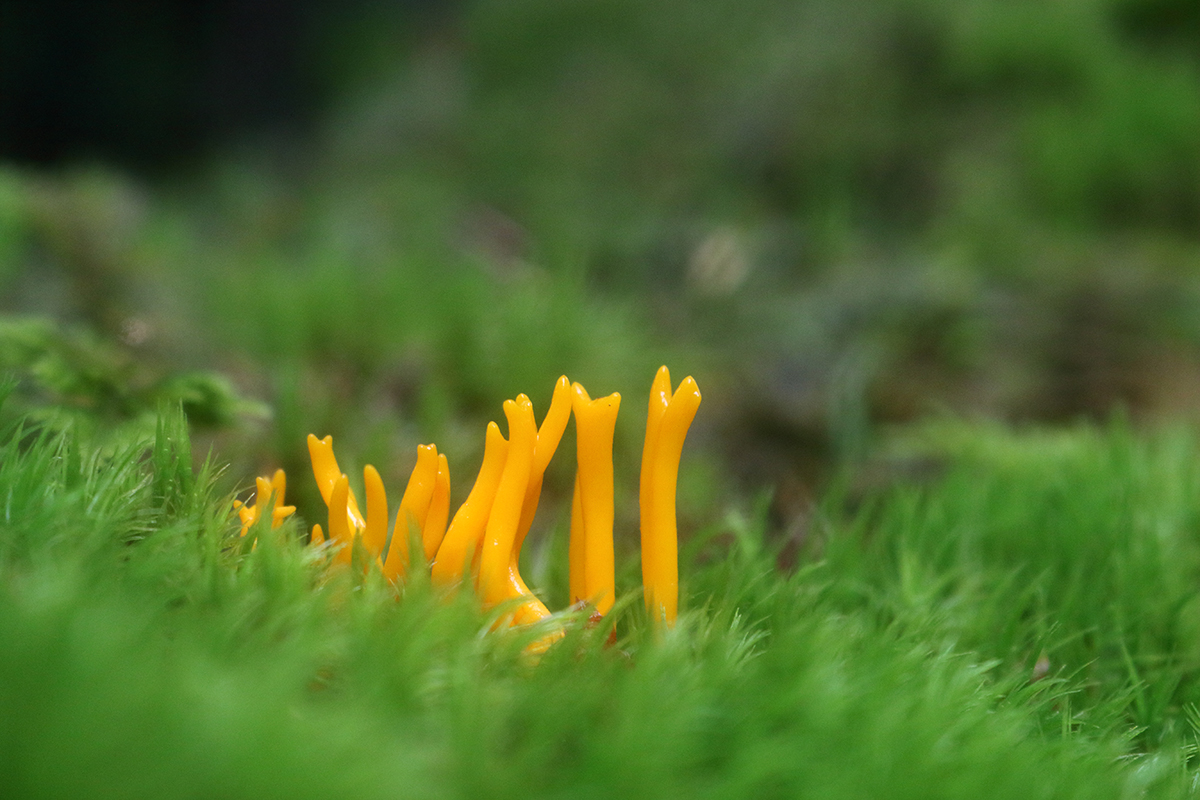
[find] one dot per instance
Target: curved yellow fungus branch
(667, 425)
(496, 584)
(326, 471)
(434, 529)
(594, 424)
(375, 532)
(346, 522)
(414, 506)
(548, 436)
(505, 516)
(660, 396)
(341, 534)
(467, 528)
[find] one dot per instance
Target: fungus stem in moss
(595, 421)
(668, 419)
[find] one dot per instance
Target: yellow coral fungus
(466, 530)
(375, 531)
(576, 549)
(594, 424)
(326, 471)
(268, 494)
(414, 507)
(667, 424)
(548, 436)
(434, 528)
(491, 525)
(346, 522)
(495, 582)
(341, 533)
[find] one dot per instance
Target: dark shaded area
(150, 83)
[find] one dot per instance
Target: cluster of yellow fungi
(481, 545)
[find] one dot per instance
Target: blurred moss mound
(966, 122)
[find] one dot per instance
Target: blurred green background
(380, 219)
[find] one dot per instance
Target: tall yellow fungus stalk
(667, 422)
(591, 550)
